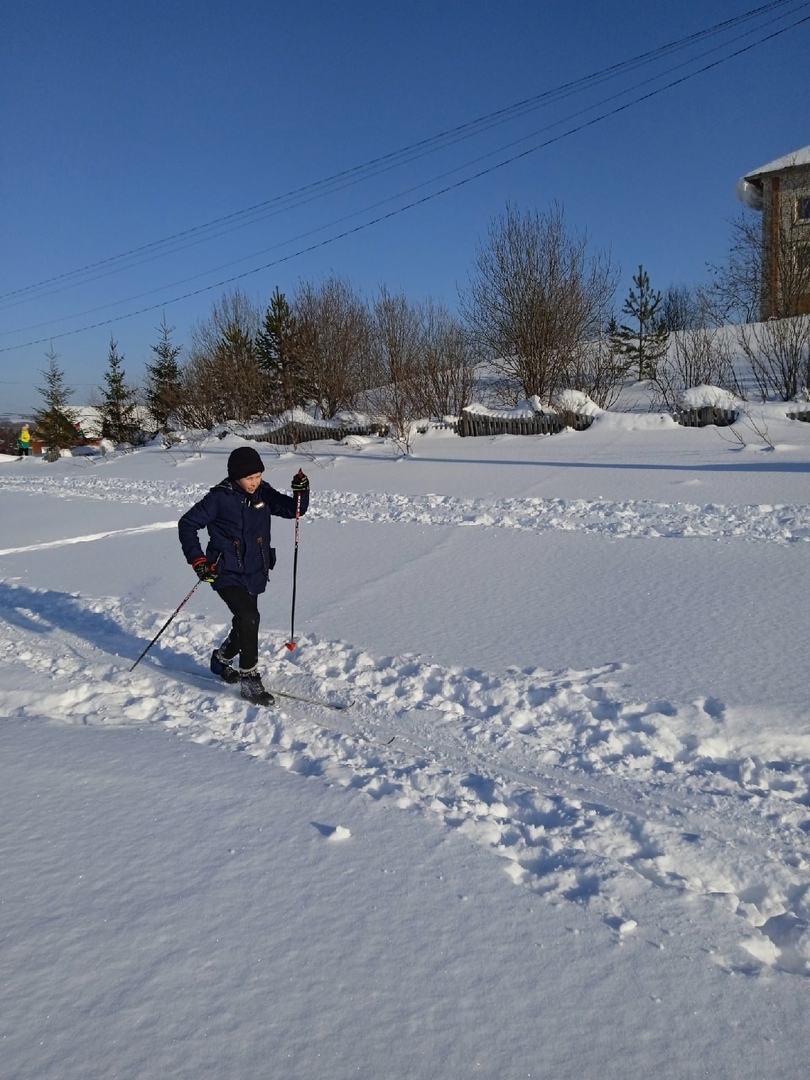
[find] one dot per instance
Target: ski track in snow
(531, 764)
(630, 519)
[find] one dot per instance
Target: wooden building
(781, 190)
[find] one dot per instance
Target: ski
(303, 699)
(338, 706)
(361, 735)
(322, 703)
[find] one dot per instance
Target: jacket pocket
(268, 556)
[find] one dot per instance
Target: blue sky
(125, 125)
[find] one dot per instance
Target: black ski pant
(244, 636)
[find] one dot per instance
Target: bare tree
(221, 380)
(735, 290)
(9, 434)
(597, 372)
(446, 364)
(397, 343)
(682, 308)
(779, 354)
(536, 298)
(232, 309)
(421, 363)
(700, 357)
(333, 328)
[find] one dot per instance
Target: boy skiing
(239, 558)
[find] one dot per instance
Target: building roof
(798, 157)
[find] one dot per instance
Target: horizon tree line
(538, 307)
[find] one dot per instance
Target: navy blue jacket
(238, 527)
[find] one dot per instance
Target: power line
(398, 195)
(430, 196)
(339, 181)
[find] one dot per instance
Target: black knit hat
(244, 461)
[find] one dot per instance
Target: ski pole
(291, 642)
(184, 601)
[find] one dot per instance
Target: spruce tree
(277, 355)
(163, 389)
(55, 423)
(231, 379)
(119, 422)
(644, 339)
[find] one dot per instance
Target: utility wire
(417, 202)
(424, 199)
(403, 193)
(357, 174)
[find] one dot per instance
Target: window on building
(803, 208)
(802, 260)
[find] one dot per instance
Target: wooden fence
(705, 416)
(292, 434)
(475, 423)
(724, 417)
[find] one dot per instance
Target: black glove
(299, 482)
(205, 570)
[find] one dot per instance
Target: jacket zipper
(237, 552)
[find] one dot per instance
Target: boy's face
(250, 483)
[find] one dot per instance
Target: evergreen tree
(55, 423)
(163, 387)
(119, 422)
(277, 355)
(237, 346)
(231, 382)
(644, 339)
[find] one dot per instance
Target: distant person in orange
(24, 442)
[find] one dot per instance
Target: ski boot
(222, 667)
(252, 688)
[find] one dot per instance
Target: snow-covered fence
(705, 416)
(488, 423)
(294, 432)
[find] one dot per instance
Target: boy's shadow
(41, 612)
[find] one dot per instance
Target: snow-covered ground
(585, 853)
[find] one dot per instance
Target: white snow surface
(586, 851)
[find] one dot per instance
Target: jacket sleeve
(283, 506)
(198, 517)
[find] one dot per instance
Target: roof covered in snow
(798, 157)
